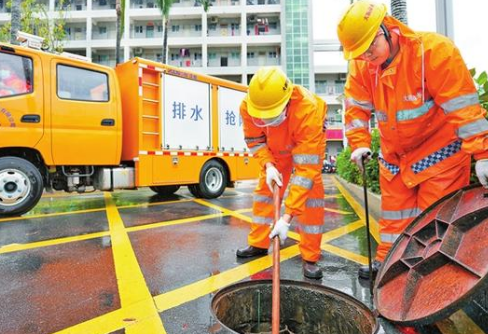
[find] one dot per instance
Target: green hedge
(350, 172)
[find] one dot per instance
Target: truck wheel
(165, 190)
(194, 190)
(213, 180)
(21, 186)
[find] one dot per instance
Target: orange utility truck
(69, 124)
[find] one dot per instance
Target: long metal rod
(366, 212)
(275, 314)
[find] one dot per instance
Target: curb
(374, 200)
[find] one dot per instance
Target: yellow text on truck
(72, 125)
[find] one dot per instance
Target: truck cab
(59, 117)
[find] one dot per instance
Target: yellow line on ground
(173, 222)
(333, 196)
(203, 287)
(343, 230)
(143, 205)
(20, 247)
(339, 211)
(345, 254)
(44, 215)
(132, 285)
(106, 323)
(359, 210)
(224, 210)
(459, 323)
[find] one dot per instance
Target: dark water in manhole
(245, 308)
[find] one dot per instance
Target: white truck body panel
(187, 117)
(231, 134)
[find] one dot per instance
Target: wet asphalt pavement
(134, 262)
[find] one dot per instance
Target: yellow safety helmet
(358, 27)
(269, 92)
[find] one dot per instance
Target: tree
(205, 4)
(399, 10)
(15, 18)
(33, 18)
(164, 7)
(119, 26)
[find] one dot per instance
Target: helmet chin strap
(390, 43)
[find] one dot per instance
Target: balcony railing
(262, 2)
(263, 61)
(329, 89)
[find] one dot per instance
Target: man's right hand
(273, 175)
(358, 155)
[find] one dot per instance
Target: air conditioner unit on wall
(138, 51)
(343, 76)
(252, 18)
(214, 19)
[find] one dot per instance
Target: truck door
(21, 100)
(84, 115)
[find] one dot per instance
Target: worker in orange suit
(10, 82)
(427, 109)
(284, 127)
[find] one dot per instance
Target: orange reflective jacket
(298, 142)
(425, 104)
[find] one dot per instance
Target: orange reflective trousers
(400, 204)
(309, 224)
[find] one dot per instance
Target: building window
(272, 54)
(160, 28)
(198, 27)
(235, 55)
(139, 29)
(273, 25)
(212, 26)
(102, 30)
(103, 2)
(175, 28)
(212, 55)
(250, 55)
(150, 31)
(197, 56)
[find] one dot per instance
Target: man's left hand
(280, 229)
(482, 172)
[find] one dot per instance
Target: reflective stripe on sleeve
(306, 159)
(460, 102)
(261, 139)
(256, 148)
(381, 116)
(357, 124)
(365, 105)
(472, 129)
(409, 114)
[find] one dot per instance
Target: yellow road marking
(132, 285)
(44, 215)
(340, 231)
(359, 210)
(345, 254)
(224, 210)
(203, 287)
(172, 222)
(459, 323)
(19, 247)
(333, 196)
(339, 211)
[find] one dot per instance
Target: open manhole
(305, 308)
